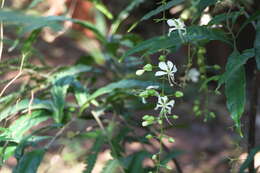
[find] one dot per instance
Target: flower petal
(160, 73)
(163, 66)
(171, 103)
(170, 65)
(174, 69)
(171, 22)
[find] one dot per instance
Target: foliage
(53, 98)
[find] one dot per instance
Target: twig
(59, 133)
(1, 32)
(16, 77)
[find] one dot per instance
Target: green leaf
(92, 157)
(235, 91)
(112, 166)
(59, 92)
(249, 159)
(195, 35)
(20, 126)
(69, 71)
(30, 162)
(124, 14)
(252, 18)
(161, 8)
(135, 161)
(23, 105)
(102, 8)
(123, 84)
(257, 45)
(234, 64)
(33, 22)
(218, 19)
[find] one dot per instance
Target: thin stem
(252, 117)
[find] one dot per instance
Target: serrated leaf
(20, 126)
(257, 45)
(112, 166)
(235, 91)
(92, 157)
(23, 105)
(30, 162)
(59, 92)
(135, 161)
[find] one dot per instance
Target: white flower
(205, 19)
(167, 69)
(165, 104)
(176, 24)
(193, 75)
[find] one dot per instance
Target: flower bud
(140, 72)
(149, 136)
(148, 67)
(171, 140)
(178, 94)
(162, 58)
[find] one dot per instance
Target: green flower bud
(149, 136)
(212, 115)
(175, 116)
(171, 140)
(148, 67)
(162, 58)
(154, 157)
(178, 94)
(195, 108)
(216, 67)
(146, 117)
(160, 122)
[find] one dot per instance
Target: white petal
(170, 65)
(160, 73)
(170, 22)
(170, 30)
(174, 69)
(163, 66)
(153, 87)
(171, 103)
